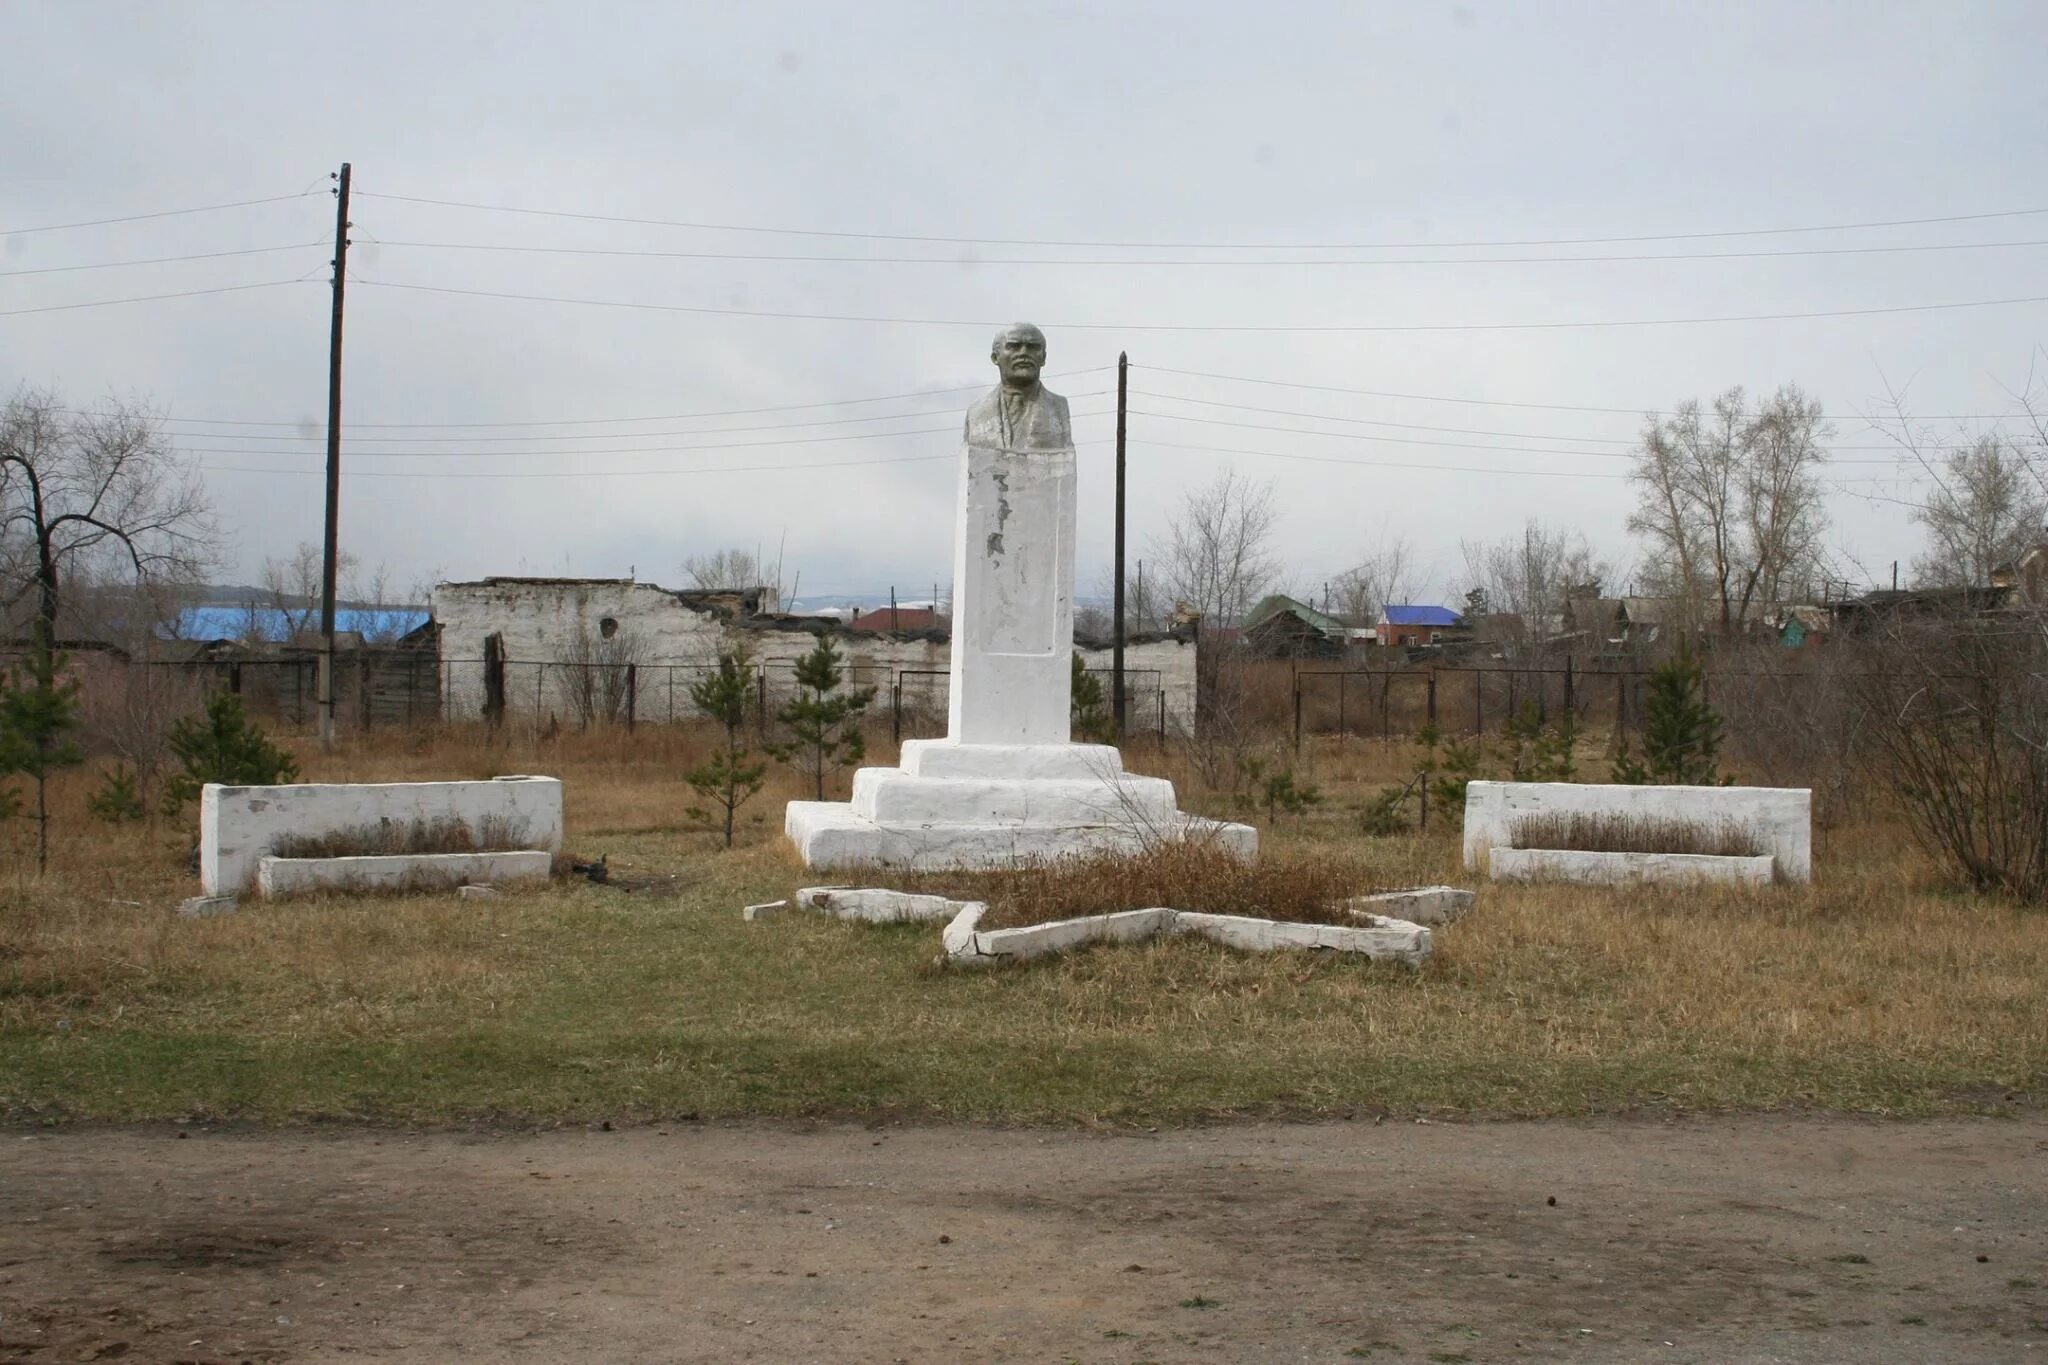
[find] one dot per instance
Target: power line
(660, 417)
(1624, 258)
(1502, 402)
(1196, 246)
(1421, 426)
(952, 428)
(148, 298)
(584, 473)
(164, 213)
(160, 260)
(1317, 328)
(355, 441)
(1386, 464)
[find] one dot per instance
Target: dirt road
(1723, 1240)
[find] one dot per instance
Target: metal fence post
(1432, 696)
(896, 710)
(632, 695)
(1297, 713)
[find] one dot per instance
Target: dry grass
(1303, 884)
(1873, 991)
(1638, 834)
(387, 838)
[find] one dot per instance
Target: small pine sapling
(224, 746)
(1449, 772)
(38, 713)
(823, 721)
(729, 778)
(116, 801)
(1283, 792)
(1093, 724)
(1681, 733)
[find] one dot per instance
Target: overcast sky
(1167, 131)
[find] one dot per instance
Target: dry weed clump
(1614, 833)
(1301, 885)
(388, 838)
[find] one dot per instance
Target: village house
(1406, 625)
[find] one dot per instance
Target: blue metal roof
(1409, 615)
(267, 623)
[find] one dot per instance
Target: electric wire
(150, 298)
(159, 260)
(1124, 261)
(1321, 329)
(1198, 246)
(164, 213)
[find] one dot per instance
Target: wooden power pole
(330, 549)
(1116, 625)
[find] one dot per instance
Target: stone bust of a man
(1019, 413)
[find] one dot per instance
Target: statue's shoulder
(1057, 401)
(986, 405)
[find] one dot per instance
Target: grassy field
(1875, 991)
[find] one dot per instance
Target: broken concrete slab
(765, 910)
(1434, 905)
(202, 907)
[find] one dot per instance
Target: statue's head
(1019, 354)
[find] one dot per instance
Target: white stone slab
(1782, 817)
(765, 910)
(1058, 936)
(1617, 869)
(1387, 940)
(205, 907)
(891, 797)
(239, 825)
(1012, 762)
(1420, 905)
(876, 906)
(400, 872)
(1013, 589)
(830, 834)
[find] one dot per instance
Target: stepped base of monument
(962, 806)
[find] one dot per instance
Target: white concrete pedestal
(990, 805)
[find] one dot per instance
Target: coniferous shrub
(223, 746)
(1681, 733)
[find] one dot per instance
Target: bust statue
(1020, 414)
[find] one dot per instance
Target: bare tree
(1985, 510)
(1364, 590)
(596, 676)
(292, 587)
(735, 570)
(85, 489)
(1217, 555)
(1529, 576)
(1730, 503)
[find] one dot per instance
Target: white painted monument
(1006, 784)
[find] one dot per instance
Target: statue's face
(1019, 354)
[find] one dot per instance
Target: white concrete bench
(240, 826)
(1781, 818)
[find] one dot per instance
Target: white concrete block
(1616, 869)
(1012, 762)
(1420, 905)
(205, 907)
(399, 872)
(829, 834)
(958, 937)
(765, 910)
(1782, 817)
(1040, 940)
(892, 797)
(1013, 597)
(238, 825)
(876, 906)
(1389, 940)
(478, 893)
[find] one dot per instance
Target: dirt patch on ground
(1784, 1239)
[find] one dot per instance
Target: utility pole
(1116, 625)
(330, 550)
